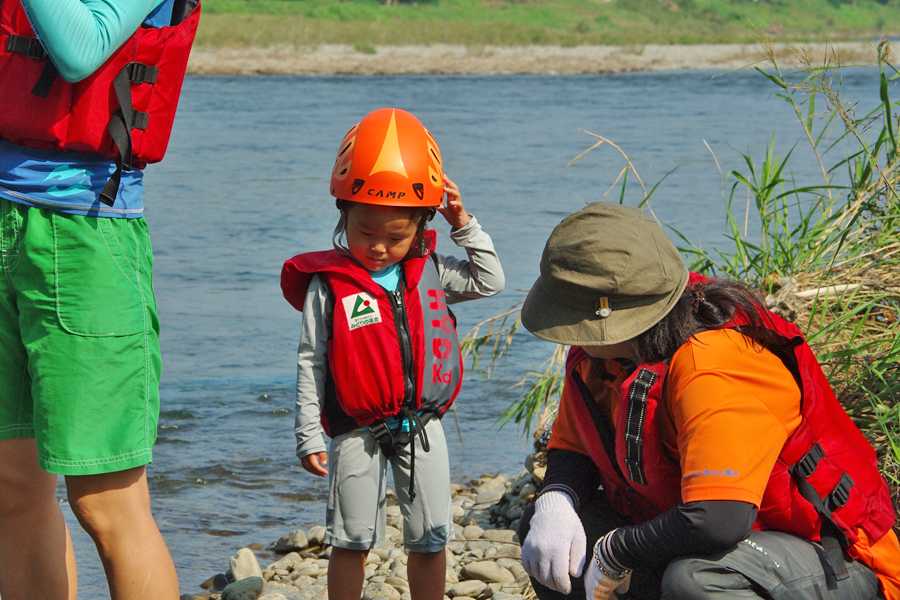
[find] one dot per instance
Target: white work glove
(555, 546)
(601, 580)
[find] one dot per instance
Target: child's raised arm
(453, 211)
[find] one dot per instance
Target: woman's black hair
(704, 306)
(421, 216)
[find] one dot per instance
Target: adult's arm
(703, 527)
(79, 35)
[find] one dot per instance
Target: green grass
(241, 23)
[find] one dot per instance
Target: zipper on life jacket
(403, 335)
(407, 409)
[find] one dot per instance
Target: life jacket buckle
(806, 466)
(36, 49)
(841, 493)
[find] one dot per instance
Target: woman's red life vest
(123, 111)
(825, 481)
(379, 345)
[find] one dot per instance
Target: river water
(244, 186)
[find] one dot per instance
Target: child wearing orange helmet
(379, 360)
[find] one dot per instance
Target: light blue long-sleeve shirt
(79, 36)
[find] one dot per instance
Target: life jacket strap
(634, 425)
(833, 539)
(29, 46)
(32, 48)
(124, 120)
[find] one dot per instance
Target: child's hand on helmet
(453, 211)
(315, 463)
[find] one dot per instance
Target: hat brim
(551, 319)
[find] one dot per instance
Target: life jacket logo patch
(361, 310)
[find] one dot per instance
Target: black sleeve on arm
(693, 528)
(573, 473)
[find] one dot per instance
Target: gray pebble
(248, 588)
(295, 540)
(500, 535)
(467, 588)
(316, 535)
(487, 570)
(244, 564)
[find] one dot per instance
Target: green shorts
(79, 339)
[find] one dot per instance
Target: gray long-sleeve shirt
(478, 277)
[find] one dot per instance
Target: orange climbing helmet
(389, 158)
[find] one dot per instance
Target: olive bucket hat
(608, 273)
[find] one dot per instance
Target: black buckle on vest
(841, 493)
(31, 47)
(141, 73)
(385, 438)
(806, 466)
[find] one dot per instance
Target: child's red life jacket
(388, 349)
(123, 111)
(825, 483)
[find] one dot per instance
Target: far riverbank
(339, 59)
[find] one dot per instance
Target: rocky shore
(483, 562)
(336, 59)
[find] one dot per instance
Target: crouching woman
(699, 451)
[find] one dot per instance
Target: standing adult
(88, 90)
(699, 451)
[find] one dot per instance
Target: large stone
(498, 483)
(528, 491)
(514, 566)
(505, 596)
(478, 545)
(472, 532)
(489, 496)
(487, 570)
(509, 551)
(288, 561)
(295, 540)
(451, 576)
(381, 591)
(248, 588)
(244, 564)
(316, 535)
(456, 547)
(308, 570)
(499, 535)
(303, 581)
(467, 588)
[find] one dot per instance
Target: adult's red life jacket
(825, 483)
(388, 349)
(123, 111)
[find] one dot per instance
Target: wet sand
(495, 60)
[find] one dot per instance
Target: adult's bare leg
(36, 557)
(114, 508)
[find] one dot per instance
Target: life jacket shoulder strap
(832, 538)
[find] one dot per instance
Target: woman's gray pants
(767, 564)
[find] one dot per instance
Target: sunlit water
(245, 185)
